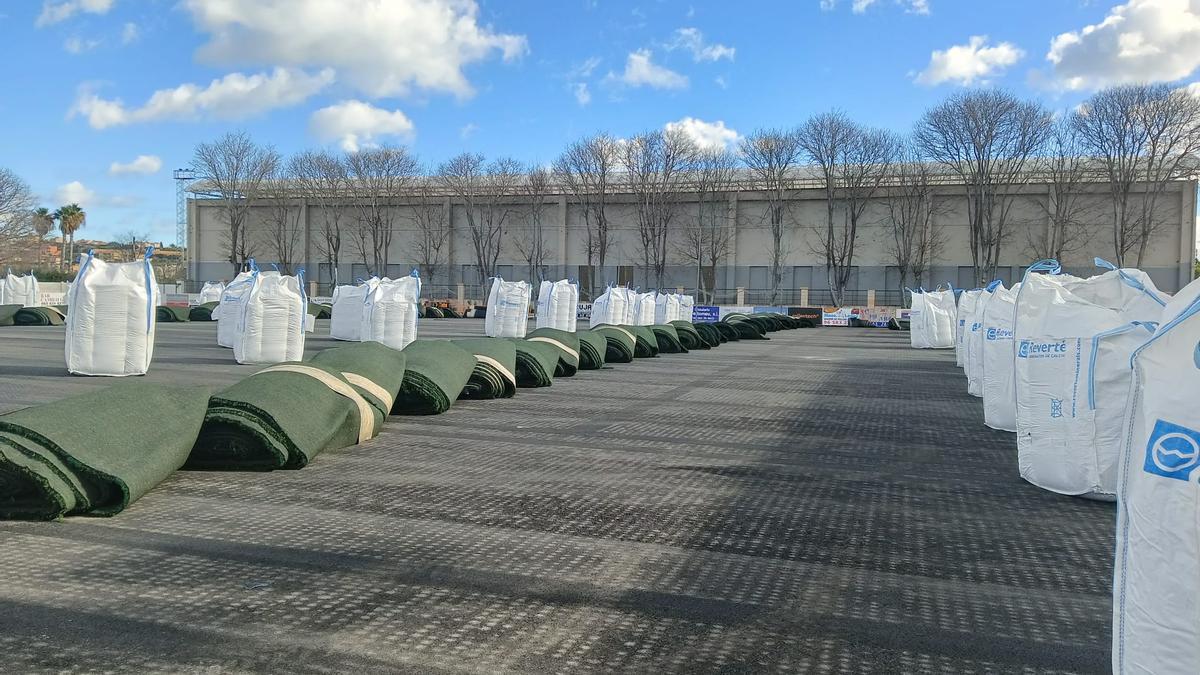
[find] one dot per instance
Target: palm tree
(70, 218)
(43, 222)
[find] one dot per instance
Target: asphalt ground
(825, 501)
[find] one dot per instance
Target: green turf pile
(375, 370)
(95, 453)
(592, 348)
(38, 316)
(647, 344)
(435, 374)
(536, 363)
(319, 311)
(567, 345)
(495, 373)
(6, 314)
(621, 342)
(668, 339)
(202, 312)
(709, 333)
(689, 337)
(172, 314)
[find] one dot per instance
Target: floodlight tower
(183, 180)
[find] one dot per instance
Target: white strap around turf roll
(556, 343)
(381, 394)
(629, 335)
(366, 417)
(498, 366)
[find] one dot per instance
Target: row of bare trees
(1126, 143)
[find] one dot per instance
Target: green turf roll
(621, 342)
(6, 314)
(202, 312)
(668, 339)
(319, 311)
(38, 316)
(276, 420)
(689, 337)
(536, 363)
(647, 345)
(495, 374)
(434, 376)
(709, 333)
(728, 331)
(95, 453)
(746, 329)
(432, 312)
(375, 370)
(592, 348)
(171, 314)
(567, 345)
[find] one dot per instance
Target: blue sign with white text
(703, 313)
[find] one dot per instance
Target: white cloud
(234, 96)
(721, 82)
(74, 193)
(54, 12)
(142, 164)
(583, 95)
(641, 71)
(1193, 89)
(355, 124)
(861, 6)
(965, 64)
(692, 40)
(380, 48)
(1139, 41)
(706, 135)
(468, 130)
(916, 6)
(129, 33)
(77, 45)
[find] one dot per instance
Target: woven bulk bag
(966, 316)
(110, 328)
(20, 290)
(999, 372)
(346, 313)
(610, 307)
(229, 311)
(557, 305)
(271, 326)
(667, 308)
(643, 312)
(211, 292)
(508, 309)
(390, 311)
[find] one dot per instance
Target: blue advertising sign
(704, 313)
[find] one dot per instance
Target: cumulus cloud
(142, 164)
(356, 124)
(234, 96)
(129, 33)
(692, 40)
(54, 12)
(861, 6)
(468, 130)
(583, 95)
(966, 64)
(77, 45)
(380, 48)
(706, 135)
(74, 192)
(1139, 41)
(641, 71)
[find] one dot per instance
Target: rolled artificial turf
(95, 453)
(746, 328)
(6, 314)
(729, 332)
(689, 337)
(567, 345)
(495, 373)
(375, 370)
(621, 342)
(320, 311)
(647, 344)
(709, 333)
(668, 339)
(171, 314)
(203, 312)
(277, 420)
(536, 363)
(592, 348)
(38, 316)
(435, 373)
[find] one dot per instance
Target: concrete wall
(1168, 260)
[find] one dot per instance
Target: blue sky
(522, 78)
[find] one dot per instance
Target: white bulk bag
(271, 324)
(211, 292)
(508, 309)
(667, 308)
(346, 311)
(1058, 318)
(999, 375)
(686, 304)
(110, 328)
(643, 309)
(974, 347)
(390, 312)
(557, 304)
(229, 311)
(610, 307)
(1156, 594)
(931, 320)
(20, 290)
(966, 315)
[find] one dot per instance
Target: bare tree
(133, 245)
(707, 238)
(913, 237)
(986, 137)
(587, 169)
(282, 234)
(234, 168)
(321, 178)
(771, 155)
(431, 222)
(485, 190)
(853, 161)
(1069, 215)
(656, 163)
(530, 240)
(377, 178)
(16, 210)
(1143, 135)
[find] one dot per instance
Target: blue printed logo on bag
(1032, 349)
(1172, 451)
(994, 334)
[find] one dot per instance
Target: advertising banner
(731, 309)
(705, 313)
(583, 311)
(835, 316)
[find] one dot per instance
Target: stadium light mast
(183, 181)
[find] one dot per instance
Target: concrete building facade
(1169, 256)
